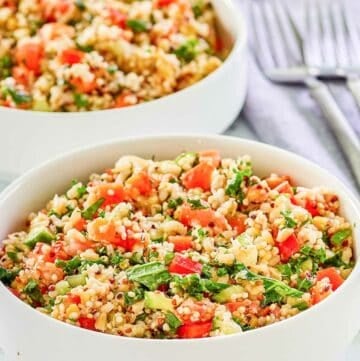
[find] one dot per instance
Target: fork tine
(328, 50)
(354, 37)
(289, 31)
(312, 44)
(275, 34)
(340, 34)
(261, 43)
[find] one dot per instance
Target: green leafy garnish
(33, 291)
(13, 256)
(17, 96)
(70, 267)
(169, 257)
(116, 259)
(195, 286)
(137, 25)
(340, 236)
(151, 275)
(80, 100)
(173, 322)
(233, 189)
(195, 204)
(187, 51)
(198, 8)
(174, 203)
(90, 212)
(85, 48)
(301, 306)
(112, 68)
(80, 5)
(7, 276)
(134, 296)
(289, 222)
(5, 66)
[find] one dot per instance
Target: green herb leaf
(112, 68)
(18, 97)
(85, 48)
(340, 236)
(33, 291)
(137, 25)
(151, 275)
(7, 276)
(13, 256)
(174, 203)
(116, 259)
(70, 267)
(187, 51)
(134, 296)
(80, 100)
(289, 222)
(233, 189)
(90, 212)
(80, 5)
(195, 204)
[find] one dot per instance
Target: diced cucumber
(39, 235)
(227, 327)
(340, 236)
(307, 265)
(186, 160)
(227, 294)
(158, 301)
(62, 288)
(76, 280)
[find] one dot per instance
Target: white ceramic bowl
(319, 334)
(211, 105)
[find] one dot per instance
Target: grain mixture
(193, 247)
(77, 55)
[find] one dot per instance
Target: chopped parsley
(196, 204)
(187, 51)
(134, 296)
(289, 222)
(6, 276)
(233, 189)
(174, 203)
(85, 48)
(340, 236)
(81, 100)
(17, 96)
(90, 212)
(80, 5)
(137, 25)
(33, 291)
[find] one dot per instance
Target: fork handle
(344, 133)
(353, 83)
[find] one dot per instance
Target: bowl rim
(347, 193)
(240, 41)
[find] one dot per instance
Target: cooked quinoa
(193, 247)
(78, 55)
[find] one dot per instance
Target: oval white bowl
(320, 333)
(211, 105)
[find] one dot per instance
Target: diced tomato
(161, 3)
(238, 223)
(128, 243)
(54, 10)
(234, 306)
(318, 294)
(183, 266)
(80, 225)
(57, 251)
(210, 156)
(71, 56)
(311, 207)
(75, 299)
(117, 18)
(30, 55)
(140, 184)
(294, 201)
(195, 330)
(219, 46)
(113, 193)
(199, 177)
(333, 275)
(122, 101)
(22, 75)
(288, 247)
(86, 322)
(203, 217)
(181, 243)
(83, 86)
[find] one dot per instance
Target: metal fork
(286, 57)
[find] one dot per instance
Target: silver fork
(286, 57)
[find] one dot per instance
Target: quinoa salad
(81, 55)
(196, 246)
